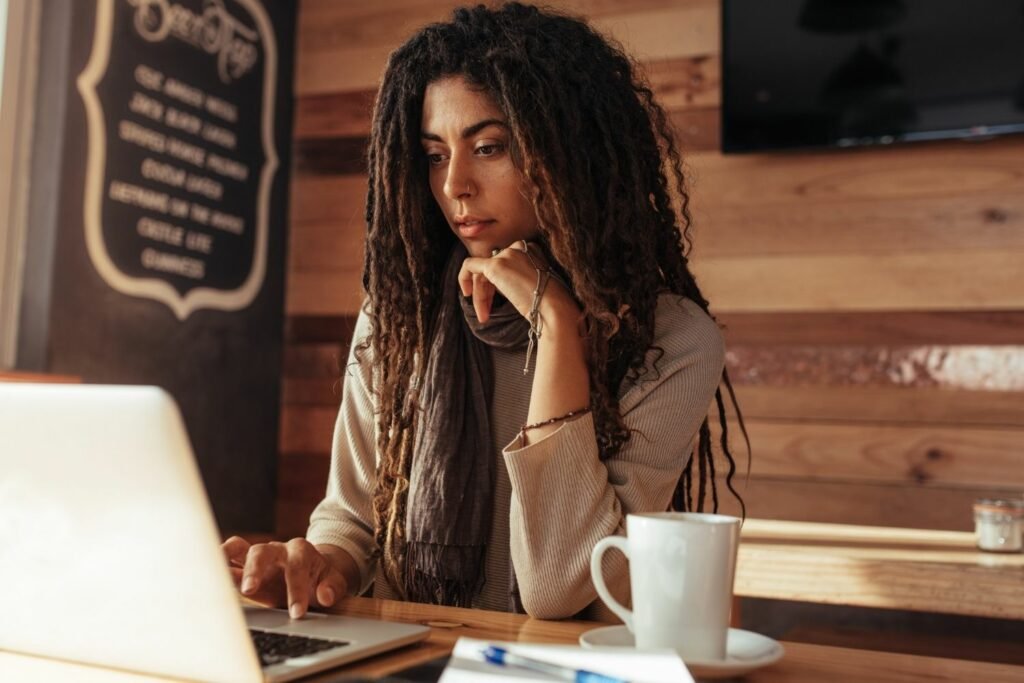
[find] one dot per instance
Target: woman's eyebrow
(469, 131)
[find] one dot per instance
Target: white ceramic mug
(681, 567)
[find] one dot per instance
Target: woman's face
(472, 176)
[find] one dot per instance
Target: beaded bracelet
(553, 420)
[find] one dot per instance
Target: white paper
(637, 666)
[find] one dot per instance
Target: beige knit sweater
(553, 499)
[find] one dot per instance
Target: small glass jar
(999, 525)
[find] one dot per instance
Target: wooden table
(802, 663)
(907, 569)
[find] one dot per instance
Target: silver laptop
(109, 553)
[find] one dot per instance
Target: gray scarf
(451, 483)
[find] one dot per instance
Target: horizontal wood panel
(873, 328)
(953, 457)
(686, 82)
(938, 280)
(696, 129)
(978, 221)
(678, 84)
(959, 221)
(914, 507)
(970, 457)
(327, 246)
(922, 581)
(303, 477)
(324, 292)
(311, 392)
(934, 170)
(324, 360)
(816, 329)
(329, 156)
(328, 199)
(341, 114)
(883, 406)
(300, 329)
(307, 429)
(345, 49)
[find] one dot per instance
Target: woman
(534, 359)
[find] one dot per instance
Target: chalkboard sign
(180, 104)
(159, 218)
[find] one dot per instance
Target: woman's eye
(490, 149)
(435, 159)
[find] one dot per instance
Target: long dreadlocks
(597, 153)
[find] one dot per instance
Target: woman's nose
(459, 181)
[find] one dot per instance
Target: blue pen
(502, 657)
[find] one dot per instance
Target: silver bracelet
(533, 318)
(536, 323)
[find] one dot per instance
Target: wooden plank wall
(873, 299)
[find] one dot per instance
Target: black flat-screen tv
(843, 73)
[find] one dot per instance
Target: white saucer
(745, 651)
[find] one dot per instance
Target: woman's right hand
(293, 574)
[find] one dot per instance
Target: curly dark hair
(597, 153)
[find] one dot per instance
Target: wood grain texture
(681, 83)
(803, 663)
(306, 429)
(328, 199)
(324, 292)
(918, 507)
(934, 170)
(933, 455)
(863, 328)
(883, 568)
(327, 246)
(333, 115)
(935, 280)
(303, 329)
(989, 219)
(362, 37)
(325, 156)
(883, 406)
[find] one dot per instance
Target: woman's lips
(470, 230)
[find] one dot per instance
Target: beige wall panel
(941, 456)
(938, 280)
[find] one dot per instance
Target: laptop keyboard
(274, 648)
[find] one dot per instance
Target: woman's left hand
(514, 274)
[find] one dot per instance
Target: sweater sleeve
(344, 517)
(565, 499)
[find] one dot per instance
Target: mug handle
(596, 554)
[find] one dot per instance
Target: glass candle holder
(999, 525)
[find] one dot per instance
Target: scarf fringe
(430, 566)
